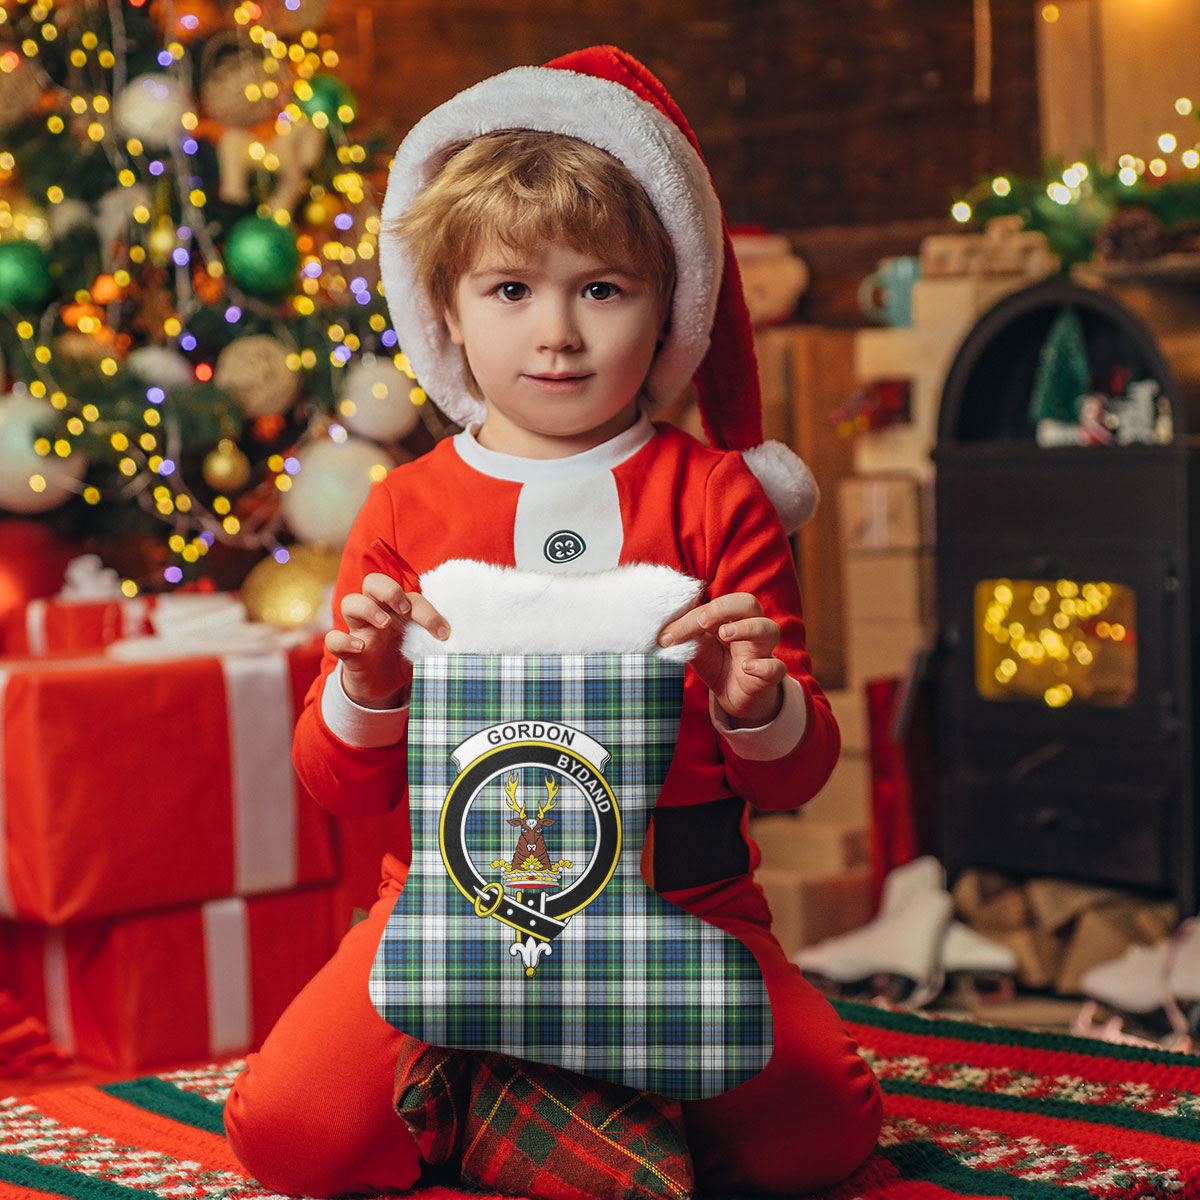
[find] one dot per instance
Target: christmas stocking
(525, 926)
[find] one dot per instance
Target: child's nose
(558, 330)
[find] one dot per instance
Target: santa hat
(607, 98)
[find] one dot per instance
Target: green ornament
(262, 256)
(328, 95)
(1064, 375)
(24, 275)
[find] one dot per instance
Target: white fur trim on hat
(786, 479)
(604, 114)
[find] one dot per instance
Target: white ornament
(151, 108)
(330, 488)
(298, 147)
(255, 370)
(114, 219)
(66, 215)
(375, 400)
(29, 482)
(162, 366)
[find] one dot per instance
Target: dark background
(847, 125)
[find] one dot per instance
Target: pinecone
(1132, 234)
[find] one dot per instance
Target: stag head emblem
(531, 850)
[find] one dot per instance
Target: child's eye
(512, 291)
(601, 291)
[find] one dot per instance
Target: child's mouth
(558, 383)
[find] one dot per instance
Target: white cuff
(356, 725)
(775, 739)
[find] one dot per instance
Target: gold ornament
(236, 88)
(255, 370)
(162, 242)
(295, 593)
(317, 213)
(226, 468)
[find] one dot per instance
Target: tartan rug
(971, 1111)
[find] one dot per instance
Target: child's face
(559, 342)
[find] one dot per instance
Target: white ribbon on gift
(258, 694)
(227, 975)
(56, 980)
(226, 972)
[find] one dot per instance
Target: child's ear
(452, 327)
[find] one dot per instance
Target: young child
(557, 267)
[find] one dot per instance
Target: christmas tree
(196, 357)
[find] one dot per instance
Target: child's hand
(374, 674)
(734, 656)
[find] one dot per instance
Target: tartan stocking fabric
(536, 936)
(532, 1130)
(432, 1089)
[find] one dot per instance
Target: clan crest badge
(531, 891)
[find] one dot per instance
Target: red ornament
(267, 428)
(32, 560)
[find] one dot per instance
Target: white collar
(514, 469)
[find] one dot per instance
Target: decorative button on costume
(525, 925)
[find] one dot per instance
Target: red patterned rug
(972, 1110)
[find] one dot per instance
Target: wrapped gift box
(130, 786)
(52, 625)
(885, 512)
(184, 985)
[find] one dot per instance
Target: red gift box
(173, 987)
(131, 786)
(52, 625)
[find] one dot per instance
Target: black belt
(695, 844)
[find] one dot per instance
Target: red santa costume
(313, 1112)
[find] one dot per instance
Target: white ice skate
(1155, 987)
(980, 966)
(898, 953)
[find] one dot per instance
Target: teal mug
(886, 294)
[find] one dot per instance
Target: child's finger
(387, 593)
(428, 617)
(343, 645)
(705, 618)
(362, 612)
(767, 671)
(761, 632)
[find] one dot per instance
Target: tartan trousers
(312, 1112)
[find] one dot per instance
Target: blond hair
(520, 188)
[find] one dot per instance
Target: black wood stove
(1068, 656)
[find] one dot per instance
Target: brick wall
(810, 114)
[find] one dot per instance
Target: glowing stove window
(1056, 642)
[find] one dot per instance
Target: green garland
(1071, 228)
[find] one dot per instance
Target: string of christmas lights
(1076, 203)
(1057, 640)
